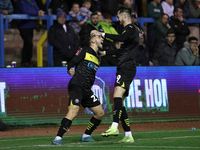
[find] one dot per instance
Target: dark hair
(170, 31)
(121, 2)
(75, 4)
(192, 38)
(124, 9)
(94, 13)
(176, 9)
(107, 16)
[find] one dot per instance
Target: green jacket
(107, 28)
(185, 57)
(160, 31)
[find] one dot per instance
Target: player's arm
(80, 54)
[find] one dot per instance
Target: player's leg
(126, 126)
(73, 108)
(92, 102)
(118, 105)
(93, 124)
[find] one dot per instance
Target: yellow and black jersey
(86, 63)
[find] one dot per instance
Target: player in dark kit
(87, 63)
(126, 70)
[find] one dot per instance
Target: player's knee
(100, 115)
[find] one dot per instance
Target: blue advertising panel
(39, 95)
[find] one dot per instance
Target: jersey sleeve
(79, 56)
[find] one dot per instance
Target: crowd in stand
(169, 41)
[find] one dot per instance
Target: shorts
(79, 96)
(124, 79)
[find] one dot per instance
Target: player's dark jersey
(86, 62)
(129, 45)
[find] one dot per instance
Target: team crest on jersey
(78, 52)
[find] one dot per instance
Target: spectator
(184, 5)
(180, 27)
(134, 17)
(142, 57)
(83, 11)
(110, 7)
(127, 3)
(92, 24)
(63, 39)
(26, 28)
(154, 10)
(100, 16)
(55, 4)
(6, 7)
(164, 54)
(194, 6)
(189, 54)
(161, 27)
(97, 5)
(108, 44)
(168, 7)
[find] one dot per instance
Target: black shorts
(79, 96)
(124, 78)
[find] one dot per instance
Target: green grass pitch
(144, 140)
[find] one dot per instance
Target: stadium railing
(49, 21)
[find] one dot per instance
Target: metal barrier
(49, 19)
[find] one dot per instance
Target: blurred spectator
(161, 27)
(142, 57)
(108, 44)
(97, 5)
(127, 3)
(100, 16)
(26, 28)
(83, 11)
(180, 27)
(168, 7)
(134, 17)
(55, 4)
(189, 54)
(111, 6)
(165, 53)
(184, 5)
(92, 24)
(154, 10)
(6, 7)
(41, 4)
(63, 39)
(194, 6)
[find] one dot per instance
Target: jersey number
(118, 78)
(94, 98)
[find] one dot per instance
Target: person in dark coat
(185, 7)
(63, 39)
(142, 56)
(92, 24)
(180, 27)
(165, 53)
(55, 4)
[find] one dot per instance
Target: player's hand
(94, 32)
(71, 71)
(102, 53)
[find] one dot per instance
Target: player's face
(120, 18)
(99, 41)
(61, 20)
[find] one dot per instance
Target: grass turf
(144, 140)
